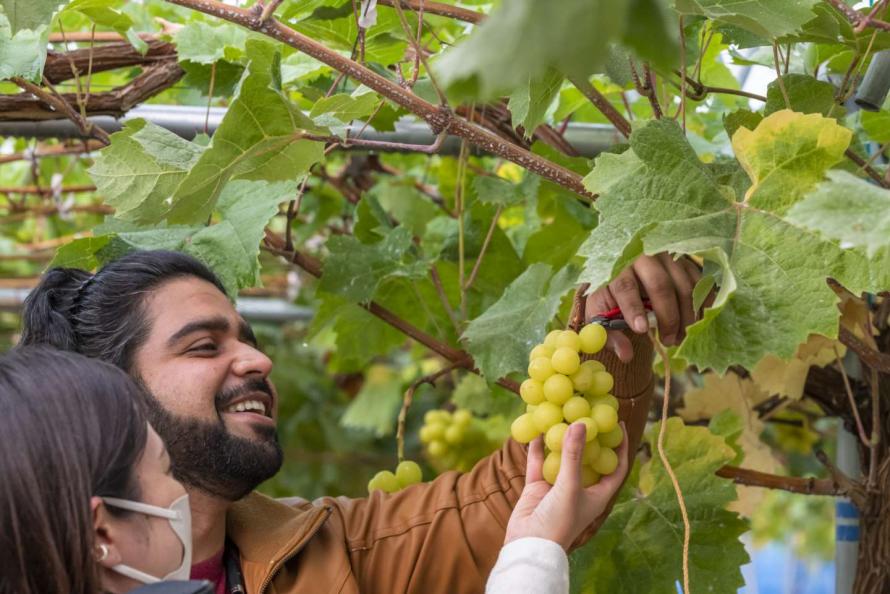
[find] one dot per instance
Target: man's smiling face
(212, 401)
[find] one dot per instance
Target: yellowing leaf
(787, 378)
(786, 155)
(739, 395)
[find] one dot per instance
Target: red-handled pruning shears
(614, 319)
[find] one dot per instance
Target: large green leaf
(22, 53)
(354, 270)
(848, 209)
(667, 200)
(141, 169)
(639, 548)
(805, 94)
(259, 138)
(29, 14)
(521, 39)
(528, 104)
(232, 245)
(501, 338)
(766, 18)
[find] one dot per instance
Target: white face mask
(180, 517)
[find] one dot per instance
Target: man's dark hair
(71, 429)
(102, 315)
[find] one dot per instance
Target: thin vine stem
(665, 407)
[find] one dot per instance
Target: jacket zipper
(290, 555)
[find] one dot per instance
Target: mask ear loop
(144, 508)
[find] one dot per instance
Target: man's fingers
(662, 293)
(535, 463)
(683, 286)
(569, 476)
(626, 292)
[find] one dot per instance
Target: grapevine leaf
(494, 190)
(355, 270)
(80, 253)
(674, 203)
(105, 13)
(500, 339)
(877, 124)
(787, 378)
(521, 39)
(653, 36)
(360, 336)
(849, 210)
(374, 407)
(787, 155)
(342, 108)
(528, 103)
(141, 169)
(741, 118)
(643, 535)
(204, 43)
(474, 394)
(257, 139)
(29, 14)
(406, 204)
(22, 53)
(765, 18)
(231, 246)
(805, 95)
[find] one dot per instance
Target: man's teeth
(247, 406)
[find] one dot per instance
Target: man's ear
(105, 550)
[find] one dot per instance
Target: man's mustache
(250, 386)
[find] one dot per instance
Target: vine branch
(792, 484)
(438, 117)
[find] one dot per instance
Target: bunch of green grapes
(561, 389)
(455, 441)
(407, 473)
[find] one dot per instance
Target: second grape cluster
(561, 389)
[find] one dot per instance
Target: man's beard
(207, 457)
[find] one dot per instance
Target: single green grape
(437, 448)
(606, 462)
(434, 430)
(583, 378)
(575, 408)
(532, 391)
(408, 473)
(593, 338)
(558, 389)
(608, 400)
(462, 417)
(592, 429)
(570, 339)
(550, 469)
(546, 415)
(589, 477)
(602, 384)
(612, 439)
(385, 481)
(555, 435)
(605, 416)
(455, 434)
(550, 339)
(565, 361)
(540, 369)
(542, 350)
(523, 428)
(591, 452)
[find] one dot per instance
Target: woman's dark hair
(72, 428)
(102, 315)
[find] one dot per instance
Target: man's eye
(204, 347)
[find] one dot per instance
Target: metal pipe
(875, 85)
(188, 121)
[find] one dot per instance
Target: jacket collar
(268, 532)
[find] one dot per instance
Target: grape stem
(664, 459)
(409, 398)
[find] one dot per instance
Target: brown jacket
(438, 537)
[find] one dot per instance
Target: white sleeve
(534, 565)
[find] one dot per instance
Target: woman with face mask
(87, 500)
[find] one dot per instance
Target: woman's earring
(103, 553)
